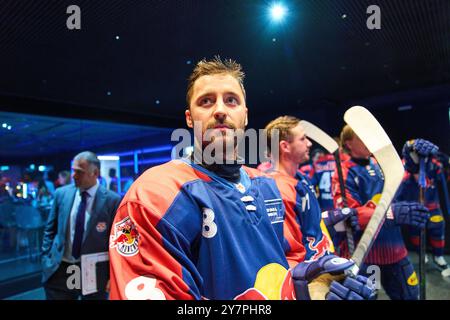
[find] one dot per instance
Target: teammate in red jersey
(304, 227)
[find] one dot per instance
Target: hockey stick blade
(319, 136)
(372, 134)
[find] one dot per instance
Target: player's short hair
(212, 67)
(283, 124)
(347, 134)
(90, 157)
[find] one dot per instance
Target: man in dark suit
(79, 223)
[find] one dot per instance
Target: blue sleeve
(309, 216)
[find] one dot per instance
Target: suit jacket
(96, 235)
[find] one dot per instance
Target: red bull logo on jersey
(125, 238)
(320, 248)
(273, 282)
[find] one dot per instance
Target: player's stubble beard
(219, 146)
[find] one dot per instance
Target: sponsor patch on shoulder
(125, 238)
(274, 209)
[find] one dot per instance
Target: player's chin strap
(306, 272)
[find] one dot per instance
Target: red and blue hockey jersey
(182, 232)
(364, 182)
(409, 189)
(303, 229)
(306, 169)
(323, 169)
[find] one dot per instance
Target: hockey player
(303, 213)
(302, 208)
(192, 230)
(412, 151)
(363, 184)
(306, 172)
(323, 168)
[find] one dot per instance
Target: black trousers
(56, 287)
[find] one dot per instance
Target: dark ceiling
(132, 58)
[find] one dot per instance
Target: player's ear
(189, 121)
(284, 146)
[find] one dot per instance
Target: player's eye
(205, 101)
(231, 100)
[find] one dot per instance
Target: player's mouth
(221, 127)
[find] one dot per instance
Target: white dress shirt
(67, 257)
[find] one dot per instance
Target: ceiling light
(278, 12)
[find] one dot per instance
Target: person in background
(79, 223)
(307, 236)
(48, 183)
(44, 197)
(113, 180)
(63, 178)
(412, 151)
(364, 183)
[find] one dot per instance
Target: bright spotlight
(277, 12)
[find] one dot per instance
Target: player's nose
(220, 111)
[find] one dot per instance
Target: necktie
(79, 226)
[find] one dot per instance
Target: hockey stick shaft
(423, 238)
(369, 130)
(376, 221)
(348, 230)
